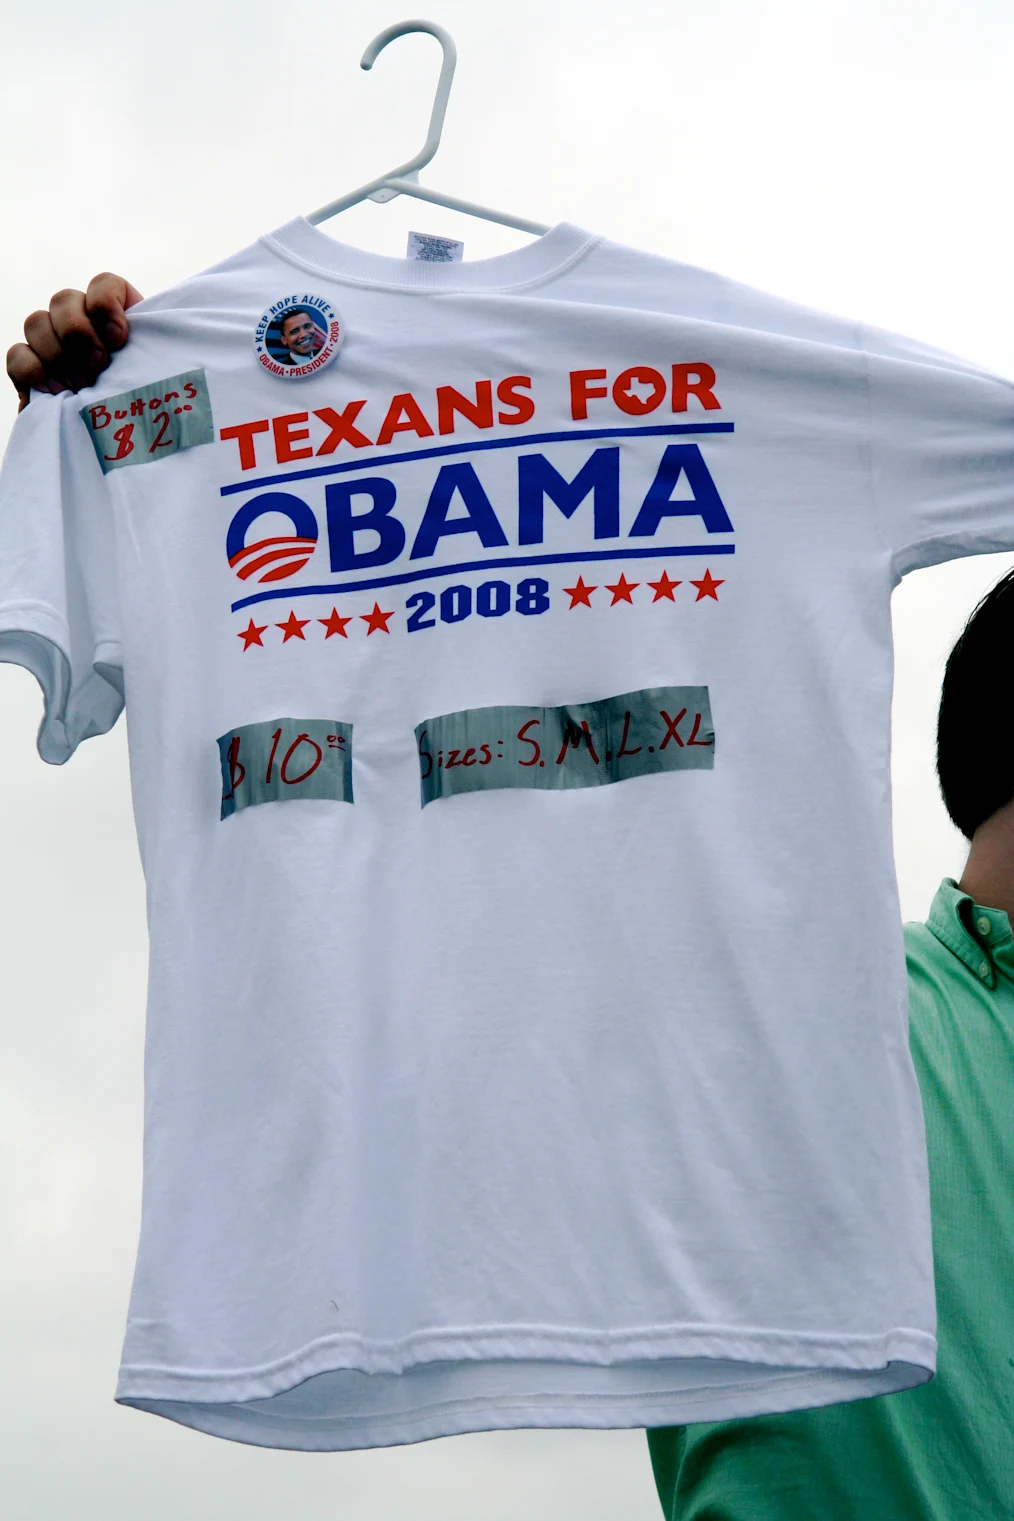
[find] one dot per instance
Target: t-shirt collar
(300, 243)
(980, 937)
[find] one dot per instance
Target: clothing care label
(283, 759)
(151, 422)
(579, 745)
(436, 250)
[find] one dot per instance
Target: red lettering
(236, 771)
(155, 403)
(623, 742)
(341, 425)
(271, 758)
(160, 441)
(425, 755)
(171, 396)
(573, 736)
(282, 427)
(243, 433)
(300, 739)
(404, 405)
(670, 730)
(479, 411)
(95, 413)
(693, 740)
(190, 389)
(123, 441)
(633, 404)
(524, 406)
(137, 407)
(580, 391)
(118, 414)
(523, 737)
(683, 387)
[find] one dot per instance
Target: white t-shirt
(543, 1060)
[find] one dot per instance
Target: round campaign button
(297, 336)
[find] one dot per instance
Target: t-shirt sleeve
(941, 457)
(59, 615)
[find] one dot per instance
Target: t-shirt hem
(220, 1404)
(779, 1371)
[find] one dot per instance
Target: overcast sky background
(854, 155)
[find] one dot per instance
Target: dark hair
(975, 753)
(293, 311)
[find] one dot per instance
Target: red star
(252, 634)
(580, 593)
(335, 624)
(621, 591)
(664, 587)
(293, 627)
(706, 586)
(376, 619)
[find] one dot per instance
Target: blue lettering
(343, 524)
(705, 502)
(480, 519)
(304, 524)
(599, 476)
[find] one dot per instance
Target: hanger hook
(446, 41)
(405, 180)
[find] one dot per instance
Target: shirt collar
(302, 243)
(980, 937)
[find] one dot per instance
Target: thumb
(107, 301)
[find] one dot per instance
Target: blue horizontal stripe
(333, 588)
(375, 460)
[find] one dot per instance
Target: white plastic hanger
(405, 179)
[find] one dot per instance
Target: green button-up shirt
(944, 1451)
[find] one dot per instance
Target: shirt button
(983, 926)
(984, 970)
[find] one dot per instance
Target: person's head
(975, 753)
(298, 331)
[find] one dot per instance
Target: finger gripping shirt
(508, 661)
